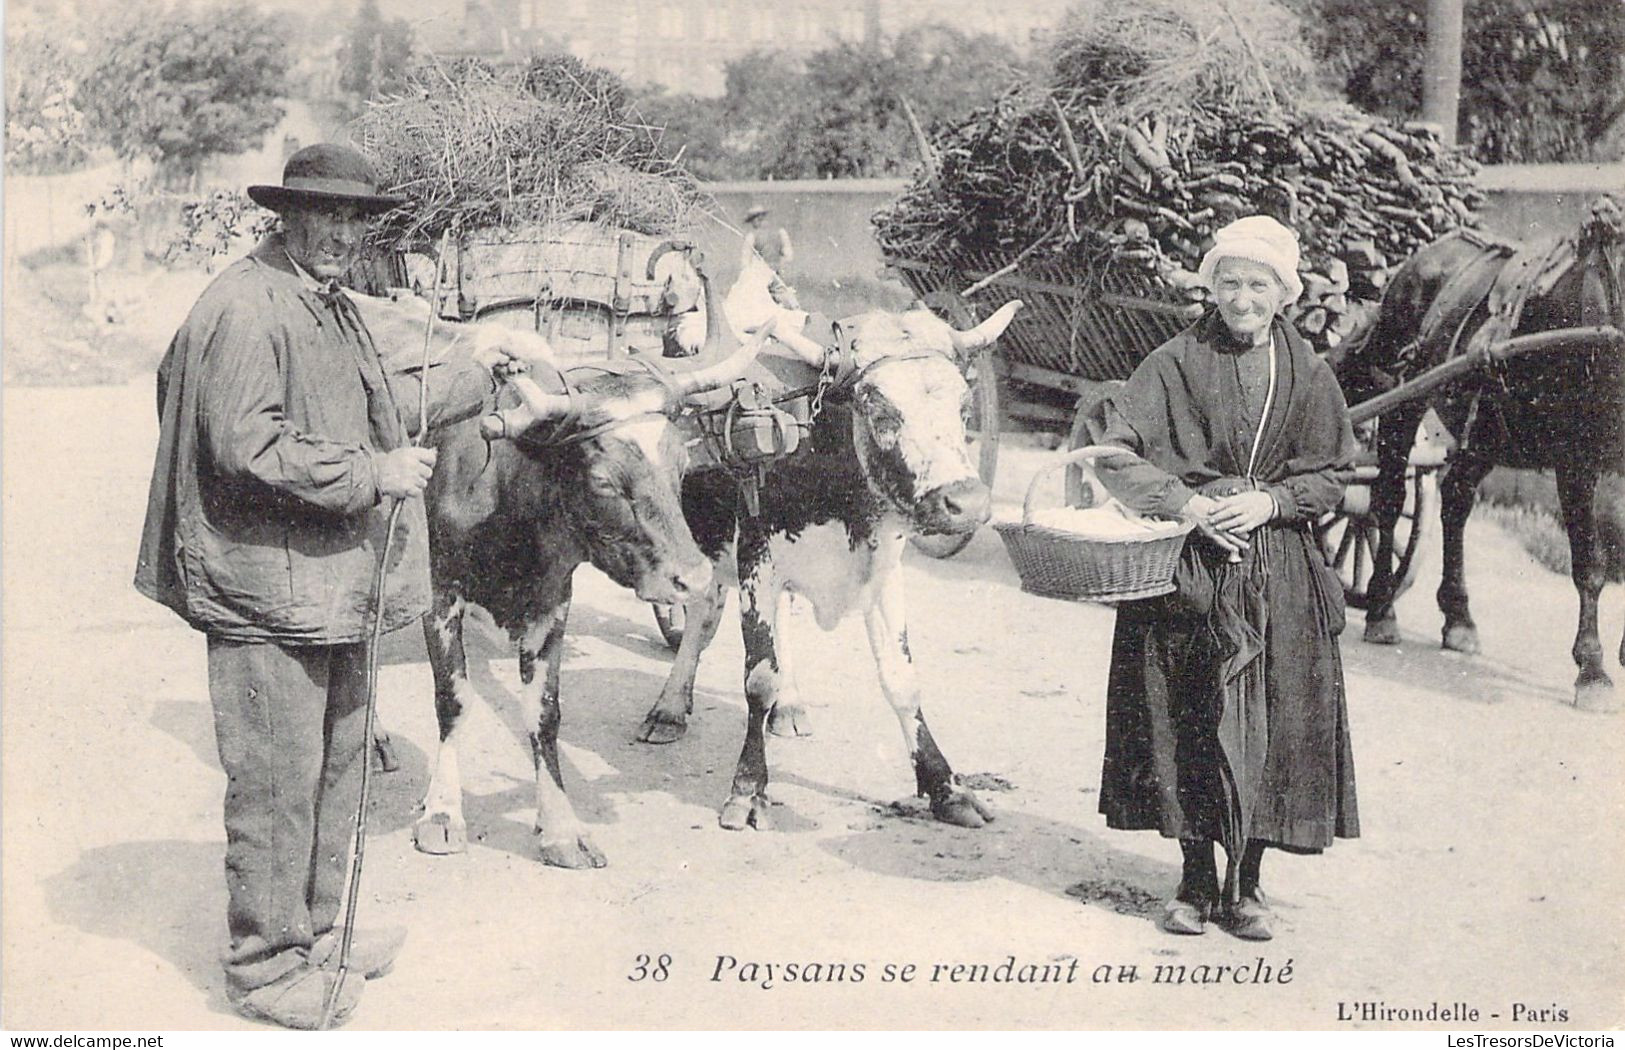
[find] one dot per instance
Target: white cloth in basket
(1110, 520)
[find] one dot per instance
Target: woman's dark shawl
(1182, 414)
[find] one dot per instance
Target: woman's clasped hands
(1228, 521)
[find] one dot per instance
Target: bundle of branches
(1163, 121)
(476, 147)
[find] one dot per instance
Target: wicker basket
(1058, 563)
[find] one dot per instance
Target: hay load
(554, 191)
(473, 147)
(1163, 120)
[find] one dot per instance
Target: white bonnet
(1260, 239)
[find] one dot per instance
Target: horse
(1561, 408)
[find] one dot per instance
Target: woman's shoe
(1251, 919)
(1185, 917)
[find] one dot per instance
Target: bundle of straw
(1140, 58)
(475, 147)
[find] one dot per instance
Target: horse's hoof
(440, 834)
(963, 809)
(1461, 638)
(572, 851)
(383, 750)
(1598, 696)
(746, 811)
(661, 727)
(1382, 632)
(789, 720)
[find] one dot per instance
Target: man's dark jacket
(264, 518)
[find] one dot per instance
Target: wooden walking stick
(374, 633)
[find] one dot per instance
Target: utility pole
(1441, 74)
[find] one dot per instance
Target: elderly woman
(1225, 712)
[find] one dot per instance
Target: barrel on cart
(603, 297)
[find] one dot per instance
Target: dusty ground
(1489, 872)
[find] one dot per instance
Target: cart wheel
(981, 423)
(1073, 476)
(671, 620)
(1348, 536)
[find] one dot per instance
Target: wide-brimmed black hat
(326, 174)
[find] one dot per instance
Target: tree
(45, 130)
(377, 55)
(179, 85)
(1542, 80)
(838, 113)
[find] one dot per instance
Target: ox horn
(535, 405)
(719, 334)
(988, 330)
(809, 350)
(721, 373)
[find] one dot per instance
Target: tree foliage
(178, 85)
(837, 113)
(377, 55)
(1542, 80)
(45, 130)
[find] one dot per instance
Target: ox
(590, 474)
(885, 458)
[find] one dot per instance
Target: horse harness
(1496, 284)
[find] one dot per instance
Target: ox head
(909, 404)
(615, 463)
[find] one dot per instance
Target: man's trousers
(289, 722)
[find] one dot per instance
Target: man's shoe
(295, 999)
(1251, 919)
(372, 950)
(1184, 917)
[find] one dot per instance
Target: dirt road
(1489, 873)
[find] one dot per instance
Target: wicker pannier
(1058, 563)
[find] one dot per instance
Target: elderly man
(282, 443)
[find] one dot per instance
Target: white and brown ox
(886, 457)
(590, 472)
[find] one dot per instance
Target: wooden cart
(1081, 335)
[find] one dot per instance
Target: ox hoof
(1461, 638)
(746, 811)
(662, 727)
(789, 720)
(439, 834)
(963, 809)
(1382, 632)
(1598, 695)
(383, 752)
(572, 851)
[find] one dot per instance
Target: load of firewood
(1163, 121)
